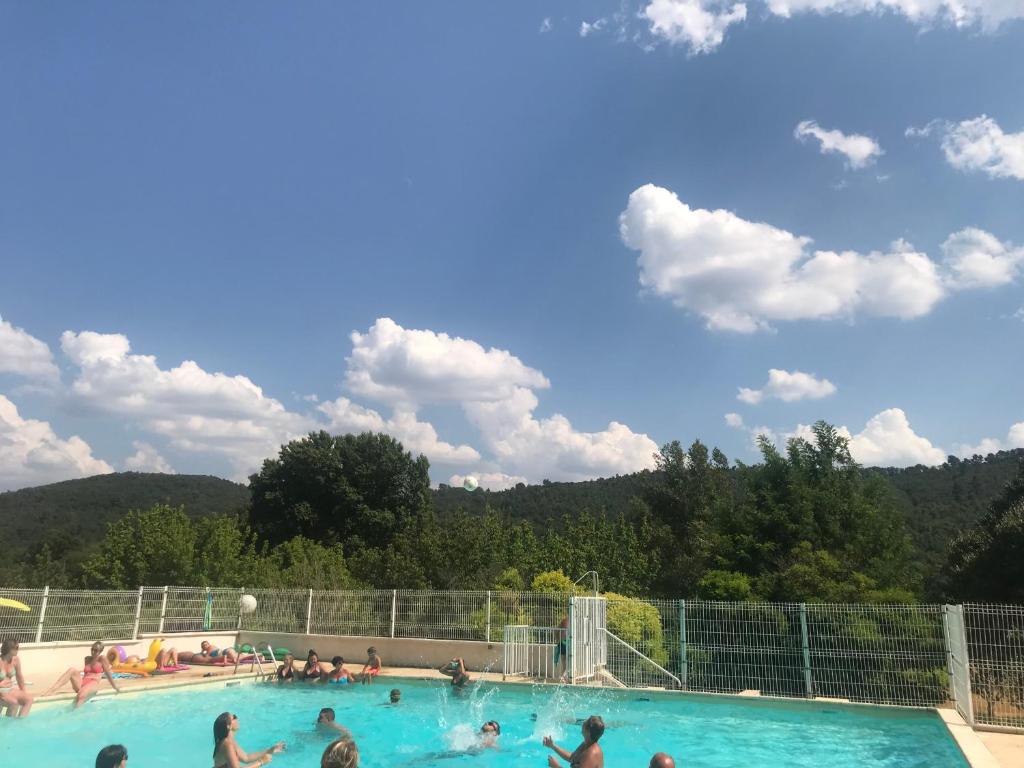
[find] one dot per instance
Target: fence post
(309, 612)
(42, 613)
(682, 643)
(241, 594)
(394, 609)
(138, 615)
(163, 611)
(806, 647)
(487, 636)
(570, 670)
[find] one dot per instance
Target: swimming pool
(430, 727)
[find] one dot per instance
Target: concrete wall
(43, 663)
(395, 652)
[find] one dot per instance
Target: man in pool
(661, 760)
(395, 696)
(113, 756)
(325, 723)
(586, 755)
(456, 670)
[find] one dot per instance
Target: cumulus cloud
(147, 459)
(31, 453)
(859, 151)
(976, 259)
(1014, 439)
(416, 436)
(589, 28)
(979, 144)
(988, 15)
(398, 365)
(24, 355)
(197, 410)
(699, 25)
(740, 275)
(788, 386)
(889, 440)
(734, 420)
(545, 25)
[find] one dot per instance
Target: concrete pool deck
(982, 749)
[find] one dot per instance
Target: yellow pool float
(139, 667)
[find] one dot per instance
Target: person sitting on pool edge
(342, 753)
(586, 755)
(13, 696)
(456, 670)
(339, 674)
(661, 760)
(325, 723)
(86, 685)
(372, 666)
(313, 671)
(286, 672)
(112, 756)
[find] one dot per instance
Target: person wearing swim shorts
(13, 696)
(372, 667)
(96, 668)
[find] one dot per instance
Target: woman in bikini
(96, 668)
(339, 674)
(313, 672)
(227, 753)
(286, 672)
(13, 695)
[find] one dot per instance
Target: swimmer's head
(326, 715)
(491, 727)
(395, 695)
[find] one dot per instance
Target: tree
(153, 546)
(359, 490)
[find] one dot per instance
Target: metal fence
(893, 654)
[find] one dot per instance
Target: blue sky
(246, 185)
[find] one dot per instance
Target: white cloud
(700, 25)
(740, 275)
(397, 365)
(734, 420)
(986, 14)
(590, 28)
(888, 440)
(977, 259)
(789, 387)
(147, 459)
(198, 411)
(551, 448)
(492, 481)
(25, 355)
(545, 25)
(416, 436)
(858, 150)
(979, 144)
(1014, 439)
(32, 454)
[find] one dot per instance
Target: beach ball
(470, 483)
(247, 603)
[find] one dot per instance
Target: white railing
(530, 652)
(892, 654)
(627, 667)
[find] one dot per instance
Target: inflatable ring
(117, 654)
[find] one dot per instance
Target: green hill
(71, 516)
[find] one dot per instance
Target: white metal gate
(588, 643)
(959, 662)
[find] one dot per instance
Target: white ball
(470, 483)
(247, 603)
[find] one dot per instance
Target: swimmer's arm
(562, 753)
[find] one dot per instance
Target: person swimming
(95, 669)
(325, 723)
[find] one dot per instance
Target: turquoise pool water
(433, 728)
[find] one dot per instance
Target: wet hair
(662, 760)
(371, 650)
(337, 660)
(10, 644)
(221, 729)
(311, 654)
(111, 756)
(327, 711)
(595, 727)
(395, 693)
(342, 753)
